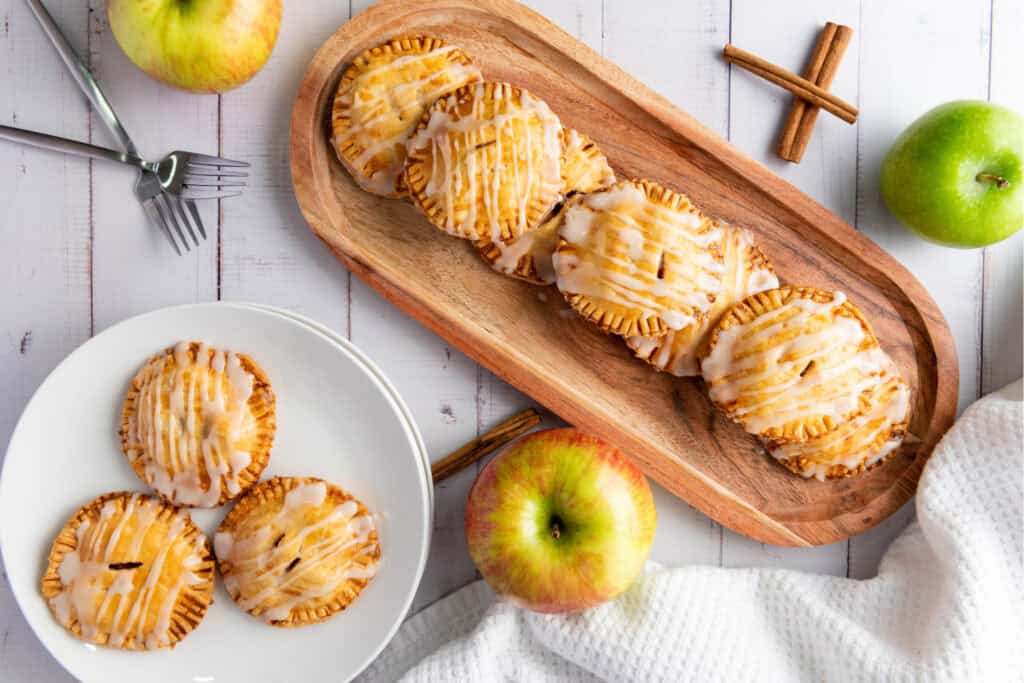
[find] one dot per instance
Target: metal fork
(184, 176)
(161, 197)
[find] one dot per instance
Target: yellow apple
(197, 45)
(560, 521)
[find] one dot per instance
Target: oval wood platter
(525, 334)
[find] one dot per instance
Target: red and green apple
(956, 175)
(560, 521)
(198, 45)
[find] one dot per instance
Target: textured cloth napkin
(947, 604)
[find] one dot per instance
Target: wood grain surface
(524, 334)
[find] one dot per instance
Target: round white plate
(336, 420)
(348, 347)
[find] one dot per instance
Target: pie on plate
(638, 259)
(485, 162)
(381, 98)
(792, 364)
(295, 551)
(129, 571)
(198, 423)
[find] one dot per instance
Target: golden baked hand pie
(382, 97)
(746, 271)
(294, 551)
(638, 259)
(584, 166)
(861, 442)
(528, 257)
(129, 571)
(485, 162)
(198, 423)
(793, 363)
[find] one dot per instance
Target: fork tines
(171, 214)
(206, 179)
(207, 160)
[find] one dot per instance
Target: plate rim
(346, 348)
(350, 346)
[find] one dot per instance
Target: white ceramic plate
(336, 420)
(348, 347)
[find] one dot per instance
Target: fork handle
(82, 75)
(52, 142)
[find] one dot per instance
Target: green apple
(197, 45)
(956, 175)
(560, 521)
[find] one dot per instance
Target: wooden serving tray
(521, 332)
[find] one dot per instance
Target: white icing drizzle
(581, 172)
(762, 369)
(266, 576)
(856, 442)
(538, 244)
(483, 169)
(744, 273)
(384, 104)
(620, 239)
(91, 592)
(187, 425)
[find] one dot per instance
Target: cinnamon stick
(510, 429)
(821, 71)
(801, 87)
(811, 73)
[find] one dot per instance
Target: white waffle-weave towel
(947, 604)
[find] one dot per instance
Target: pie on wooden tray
(793, 363)
(528, 257)
(380, 100)
(129, 571)
(485, 162)
(861, 442)
(295, 551)
(638, 259)
(746, 271)
(198, 423)
(584, 166)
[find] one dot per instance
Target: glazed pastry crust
(638, 259)
(101, 550)
(799, 362)
(859, 444)
(182, 475)
(380, 99)
(314, 556)
(528, 257)
(485, 162)
(746, 271)
(585, 168)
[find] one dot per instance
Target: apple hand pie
(638, 259)
(485, 162)
(746, 271)
(382, 97)
(198, 423)
(295, 551)
(792, 364)
(129, 571)
(528, 257)
(861, 442)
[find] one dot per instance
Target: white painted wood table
(77, 255)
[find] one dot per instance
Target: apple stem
(556, 531)
(1000, 182)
